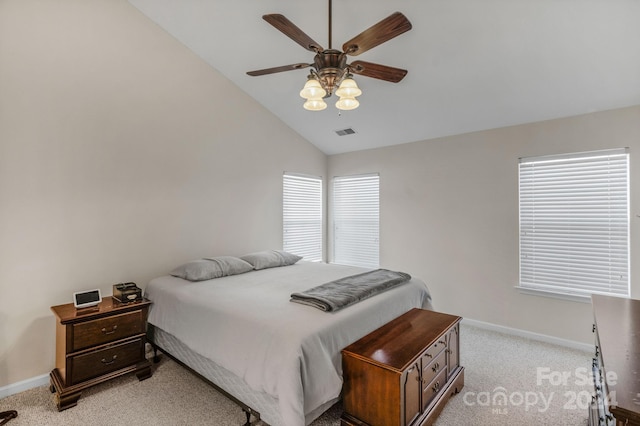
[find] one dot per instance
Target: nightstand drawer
(104, 330)
(94, 364)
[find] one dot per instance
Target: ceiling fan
(330, 68)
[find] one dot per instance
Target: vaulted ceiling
(473, 64)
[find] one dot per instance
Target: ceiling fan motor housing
(330, 66)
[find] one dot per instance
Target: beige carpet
(508, 381)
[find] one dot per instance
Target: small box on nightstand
(127, 292)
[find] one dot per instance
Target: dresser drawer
(435, 386)
(109, 329)
(112, 358)
(431, 370)
(433, 351)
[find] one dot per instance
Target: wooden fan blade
(382, 72)
(390, 27)
(289, 29)
(278, 69)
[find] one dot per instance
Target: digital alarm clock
(86, 299)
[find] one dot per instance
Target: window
(574, 223)
(302, 216)
(356, 220)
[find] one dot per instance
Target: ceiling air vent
(345, 132)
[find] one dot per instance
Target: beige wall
(449, 215)
(122, 155)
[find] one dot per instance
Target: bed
(278, 359)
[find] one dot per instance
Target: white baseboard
(530, 335)
(24, 385)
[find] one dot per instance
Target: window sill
(564, 296)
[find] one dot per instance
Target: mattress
(246, 325)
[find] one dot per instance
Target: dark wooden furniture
(5, 416)
(616, 365)
(404, 372)
(94, 345)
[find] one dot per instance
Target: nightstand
(97, 344)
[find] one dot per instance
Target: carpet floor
(508, 381)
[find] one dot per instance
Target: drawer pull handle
(436, 387)
(113, 330)
(105, 362)
(442, 342)
(429, 355)
(435, 367)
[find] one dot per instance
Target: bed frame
(248, 411)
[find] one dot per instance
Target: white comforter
(247, 324)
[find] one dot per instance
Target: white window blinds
(356, 220)
(574, 223)
(302, 216)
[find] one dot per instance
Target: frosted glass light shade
(312, 90)
(348, 89)
(315, 105)
(347, 104)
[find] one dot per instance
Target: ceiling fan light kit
(330, 68)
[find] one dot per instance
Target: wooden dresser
(97, 344)
(616, 365)
(403, 373)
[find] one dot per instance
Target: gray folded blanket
(346, 291)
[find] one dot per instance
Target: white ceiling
(473, 64)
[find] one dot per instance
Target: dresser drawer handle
(435, 367)
(436, 387)
(105, 362)
(113, 330)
